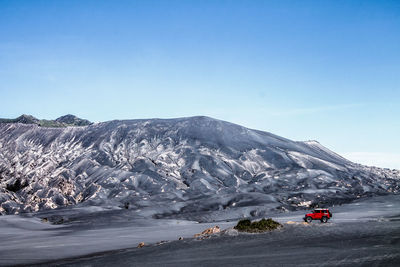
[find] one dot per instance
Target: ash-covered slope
(176, 167)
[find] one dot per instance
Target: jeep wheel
(324, 219)
(309, 219)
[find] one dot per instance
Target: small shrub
(243, 225)
(257, 226)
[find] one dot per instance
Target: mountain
(187, 168)
(72, 120)
(63, 121)
(26, 119)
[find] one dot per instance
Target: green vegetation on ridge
(63, 121)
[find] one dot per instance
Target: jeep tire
(308, 219)
(324, 219)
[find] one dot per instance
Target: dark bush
(16, 186)
(243, 224)
(257, 226)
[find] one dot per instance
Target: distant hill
(63, 121)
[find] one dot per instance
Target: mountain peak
(28, 119)
(72, 120)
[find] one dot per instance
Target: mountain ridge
(184, 167)
(63, 121)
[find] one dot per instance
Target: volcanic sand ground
(366, 232)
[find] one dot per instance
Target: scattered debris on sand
(230, 232)
(162, 242)
(209, 231)
(53, 219)
(298, 223)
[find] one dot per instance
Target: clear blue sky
(324, 70)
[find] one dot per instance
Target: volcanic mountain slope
(175, 168)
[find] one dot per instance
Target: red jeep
(318, 214)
